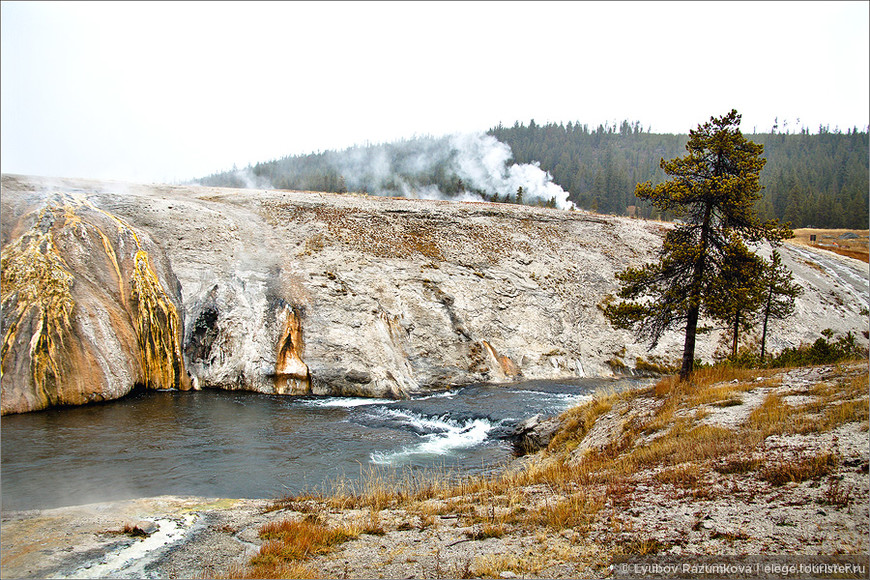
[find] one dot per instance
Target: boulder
(533, 434)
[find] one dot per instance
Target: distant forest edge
(811, 180)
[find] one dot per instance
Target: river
(248, 445)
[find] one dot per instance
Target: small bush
(643, 547)
(822, 351)
(576, 511)
(650, 367)
(488, 530)
(837, 496)
(729, 403)
(687, 476)
(616, 365)
(287, 570)
(372, 525)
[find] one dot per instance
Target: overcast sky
(173, 91)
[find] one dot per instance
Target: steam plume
(464, 167)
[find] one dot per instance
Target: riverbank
(749, 462)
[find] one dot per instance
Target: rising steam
(484, 162)
(463, 167)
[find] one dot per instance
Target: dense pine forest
(811, 180)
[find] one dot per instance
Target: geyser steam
(483, 161)
(465, 167)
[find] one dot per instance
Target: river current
(248, 445)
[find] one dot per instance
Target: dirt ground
(857, 248)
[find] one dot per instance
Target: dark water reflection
(240, 444)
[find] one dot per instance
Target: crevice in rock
(447, 301)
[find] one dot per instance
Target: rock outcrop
(533, 434)
(90, 309)
(307, 293)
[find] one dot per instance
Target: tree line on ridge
(809, 180)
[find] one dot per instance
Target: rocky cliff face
(296, 293)
(90, 308)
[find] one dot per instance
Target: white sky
(173, 91)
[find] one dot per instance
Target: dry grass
(488, 530)
(685, 443)
(686, 476)
(739, 465)
(836, 404)
(296, 540)
(773, 416)
(288, 543)
(721, 395)
(829, 240)
(533, 562)
(576, 511)
(802, 469)
(837, 496)
(372, 524)
(380, 488)
(641, 547)
(577, 421)
(681, 447)
(492, 565)
(283, 570)
(655, 367)
(714, 376)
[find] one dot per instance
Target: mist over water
(248, 445)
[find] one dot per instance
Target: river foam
(437, 436)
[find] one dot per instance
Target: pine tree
(780, 291)
(714, 188)
(738, 292)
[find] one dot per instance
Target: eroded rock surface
(90, 309)
(300, 292)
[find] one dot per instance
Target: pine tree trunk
(689, 344)
(766, 316)
(695, 305)
(736, 334)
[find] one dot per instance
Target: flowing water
(248, 445)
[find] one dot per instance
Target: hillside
(851, 243)
(108, 285)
